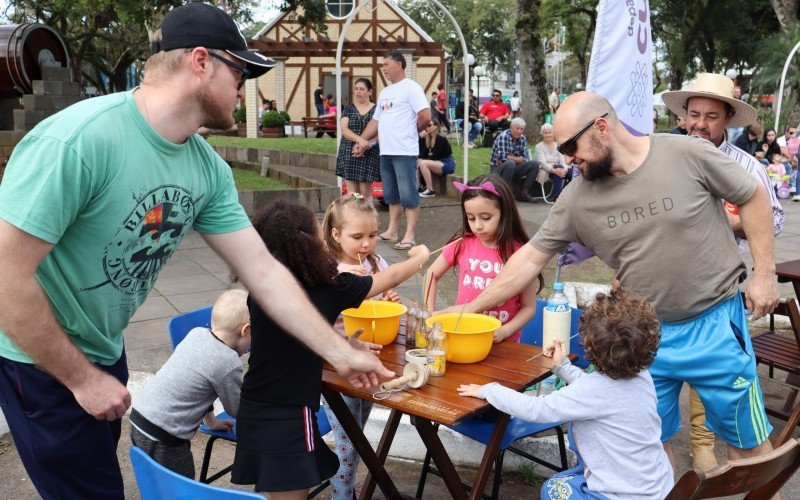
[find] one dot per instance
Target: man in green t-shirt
(94, 202)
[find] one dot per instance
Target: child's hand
(354, 269)
(470, 390)
(558, 353)
(451, 309)
(391, 296)
(221, 425)
(420, 251)
(359, 344)
(500, 334)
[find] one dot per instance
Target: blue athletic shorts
(712, 352)
(400, 180)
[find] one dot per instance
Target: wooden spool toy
(414, 374)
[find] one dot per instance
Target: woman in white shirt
(515, 104)
(553, 163)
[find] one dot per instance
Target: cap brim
(256, 63)
(676, 100)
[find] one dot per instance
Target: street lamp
(732, 74)
(479, 72)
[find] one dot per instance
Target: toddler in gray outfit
(614, 426)
(205, 366)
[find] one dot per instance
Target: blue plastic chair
(179, 327)
(156, 482)
(481, 430)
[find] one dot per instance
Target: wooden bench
(320, 127)
(781, 352)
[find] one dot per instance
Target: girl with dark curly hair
(279, 448)
(615, 429)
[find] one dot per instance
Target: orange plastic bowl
(380, 320)
(472, 341)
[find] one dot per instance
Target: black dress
(367, 168)
(279, 447)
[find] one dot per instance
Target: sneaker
(471, 145)
(527, 198)
(428, 193)
(422, 188)
(796, 197)
(793, 190)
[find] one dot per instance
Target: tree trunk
(533, 73)
(785, 10)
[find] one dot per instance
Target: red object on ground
(377, 189)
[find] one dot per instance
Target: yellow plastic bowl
(473, 340)
(379, 319)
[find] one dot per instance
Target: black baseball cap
(202, 25)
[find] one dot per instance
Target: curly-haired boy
(614, 426)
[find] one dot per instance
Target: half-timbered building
(306, 59)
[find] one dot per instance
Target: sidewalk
(195, 276)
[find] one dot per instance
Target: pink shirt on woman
(478, 265)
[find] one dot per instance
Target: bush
(272, 119)
(285, 116)
(240, 114)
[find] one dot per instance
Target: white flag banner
(621, 68)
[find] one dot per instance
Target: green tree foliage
(488, 28)
(770, 59)
(579, 17)
(691, 38)
(106, 36)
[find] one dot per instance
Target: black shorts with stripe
(280, 449)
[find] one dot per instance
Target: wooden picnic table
(437, 401)
(789, 272)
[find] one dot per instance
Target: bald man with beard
(651, 208)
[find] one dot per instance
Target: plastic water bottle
(557, 318)
(437, 351)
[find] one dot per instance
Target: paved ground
(195, 276)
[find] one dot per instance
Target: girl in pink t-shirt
(491, 233)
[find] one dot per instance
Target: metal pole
(465, 98)
(783, 80)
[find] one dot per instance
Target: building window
(340, 9)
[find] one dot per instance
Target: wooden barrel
(24, 50)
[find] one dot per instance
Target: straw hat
(713, 86)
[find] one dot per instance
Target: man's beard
(600, 168)
(216, 116)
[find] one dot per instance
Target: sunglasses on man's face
(241, 69)
(569, 146)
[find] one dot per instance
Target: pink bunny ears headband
(486, 186)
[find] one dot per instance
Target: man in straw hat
(651, 208)
(94, 201)
(710, 108)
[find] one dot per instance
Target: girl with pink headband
(491, 232)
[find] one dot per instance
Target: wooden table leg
(385, 443)
(360, 443)
(488, 456)
(439, 455)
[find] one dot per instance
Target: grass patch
(527, 473)
(247, 180)
(478, 157)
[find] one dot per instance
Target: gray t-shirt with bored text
(663, 227)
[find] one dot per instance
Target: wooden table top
(789, 270)
(438, 400)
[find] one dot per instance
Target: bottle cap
(558, 286)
